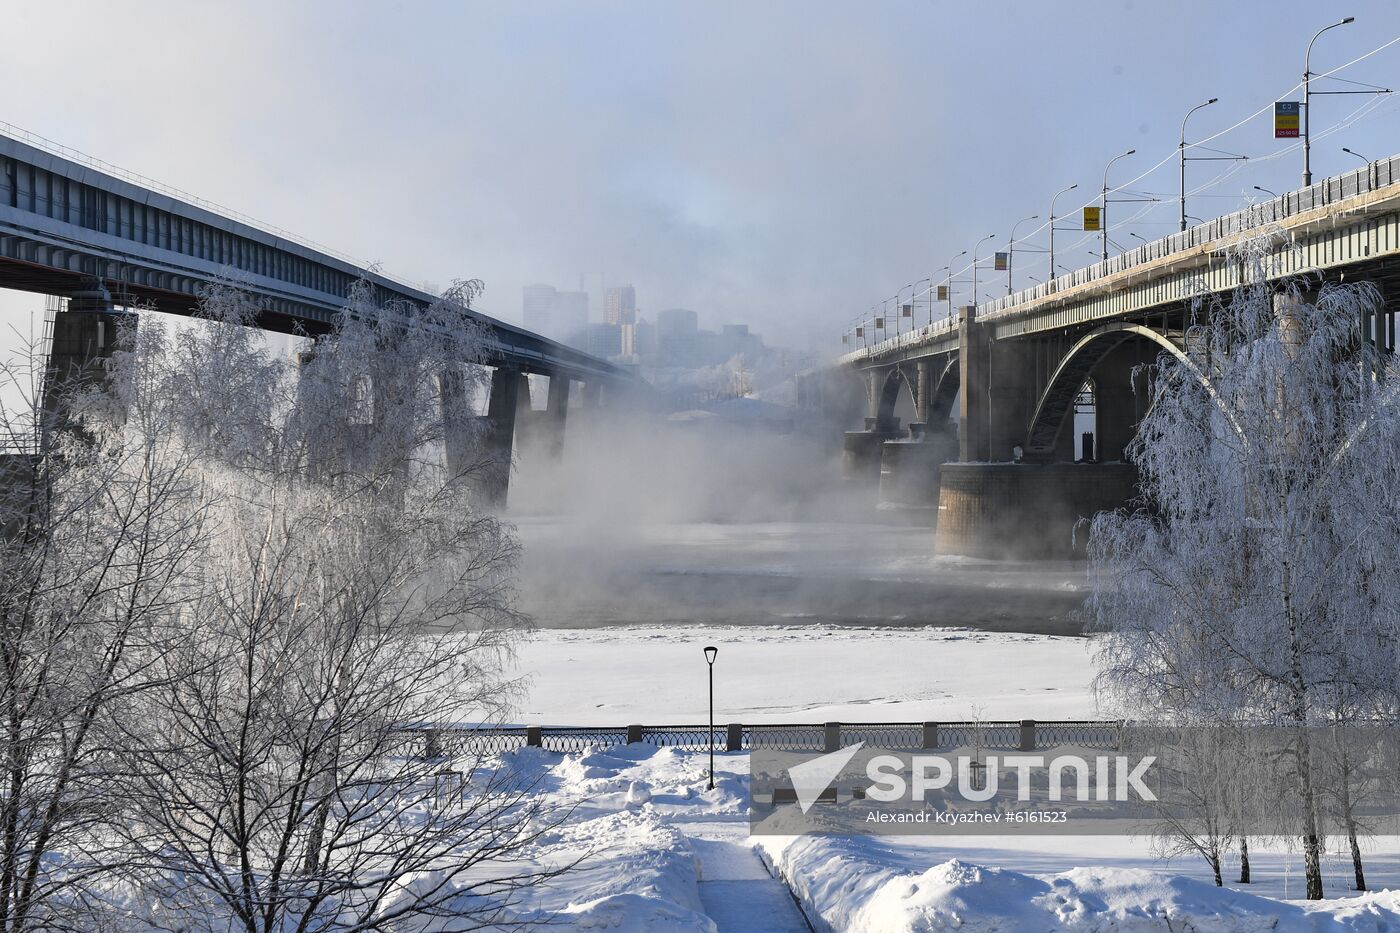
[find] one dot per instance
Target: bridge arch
(1078, 367)
(887, 395)
(944, 390)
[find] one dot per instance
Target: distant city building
(620, 305)
(537, 305)
(558, 315)
(604, 340)
(677, 333)
(571, 313)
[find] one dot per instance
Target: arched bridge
(1017, 369)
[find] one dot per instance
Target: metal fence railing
(1024, 735)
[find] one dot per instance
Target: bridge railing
(928, 331)
(1024, 734)
(1371, 177)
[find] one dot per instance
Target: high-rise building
(604, 340)
(620, 305)
(676, 336)
(537, 305)
(554, 314)
(571, 315)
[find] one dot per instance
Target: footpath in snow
(661, 852)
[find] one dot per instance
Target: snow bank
(642, 876)
(844, 886)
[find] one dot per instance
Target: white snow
(801, 673)
(663, 852)
(854, 886)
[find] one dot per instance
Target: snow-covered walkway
(736, 890)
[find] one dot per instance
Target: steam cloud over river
(738, 526)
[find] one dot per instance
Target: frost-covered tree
(1258, 583)
(99, 538)
(353, 590)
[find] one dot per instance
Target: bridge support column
(909, 472)
(502, 409)
(1011, 396)
(85, 336)
(974, 404)
(1023, 511)
(556, 413)
(925, 391)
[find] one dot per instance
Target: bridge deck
(1350, 220)
(63, 220)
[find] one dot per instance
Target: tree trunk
(1215, 867)
(1356, 856)
(1312, 846)
(1244, 860)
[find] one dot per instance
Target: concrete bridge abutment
(1022, 511)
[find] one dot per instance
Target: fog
(650, 519)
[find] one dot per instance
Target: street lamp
(1011, 248)
(1181, 151)
(1103, 204)
(1307, 97)
(974, 264)
(949, 267)
(1052, 227)
(1266, 191)
(1357, 154)
(710, 652)
(914, 299)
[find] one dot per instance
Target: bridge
(1010, 478)
(87, 231)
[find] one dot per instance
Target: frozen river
(582, 574)
(814, 621)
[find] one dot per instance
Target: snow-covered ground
(801, 673)
(834, 622)
(666, 853)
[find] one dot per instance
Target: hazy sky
(780, 164)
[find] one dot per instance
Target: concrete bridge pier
(864, 451)
(85, 336)
(555, 415)
(910, 469)
(510, 397)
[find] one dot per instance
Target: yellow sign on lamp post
(1093, 218)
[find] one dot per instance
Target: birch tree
(1260, 579)
(98, 539)
(353, 592)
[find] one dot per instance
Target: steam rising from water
(649, 520)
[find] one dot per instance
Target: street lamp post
(1266, 191)
(710, 652)
(1103, 203)
(949, 267)
(914, 299)
(1011, 248)
(1052, 226)
(1181, 149)
(974, 264)
(1307, 99)
(1357, 154)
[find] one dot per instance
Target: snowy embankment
(646, 831)
(848, 885)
